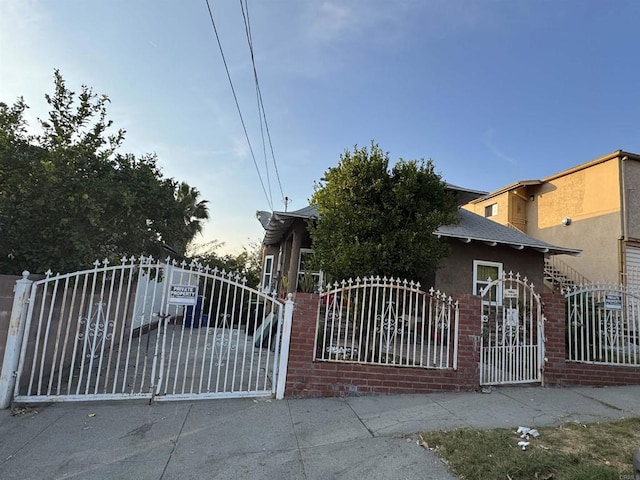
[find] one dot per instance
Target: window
(267, 274)
(491, 210)
(308, 280)
(482, 272)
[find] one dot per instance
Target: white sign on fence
(183, 294)
(510, 293)
(613, 302)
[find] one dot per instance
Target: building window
(491, 210)
(309, 280)
(483, 274)
(267, 274)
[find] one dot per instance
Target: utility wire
(245, 14)
(247, 29)
(235, 97)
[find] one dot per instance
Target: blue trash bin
(194, 317)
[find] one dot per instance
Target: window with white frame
(491, 210)
(267, 274)
(309, 280)
(483, 274)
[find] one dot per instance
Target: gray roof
(263, 217)
(279, 223)
(472, 227)
(465, 195)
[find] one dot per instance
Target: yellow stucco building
(594, 207)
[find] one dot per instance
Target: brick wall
(307, 378)
(559, 371)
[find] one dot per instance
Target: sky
(493, 91)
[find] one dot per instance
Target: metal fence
(603, 324)
(512, 339)
(387, 321)
(148, 328)
(631, 279)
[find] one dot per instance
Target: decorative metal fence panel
(603, 324)
(512, 339)
(631, 279)
(384, 321)
(148, 329)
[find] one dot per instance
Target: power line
(247, 30)
(235, 97)
(245, 14)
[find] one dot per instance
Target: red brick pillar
(303, 328)
(555, 345)
(469, 330)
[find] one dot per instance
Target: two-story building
(594, 207)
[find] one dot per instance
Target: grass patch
(573, 451)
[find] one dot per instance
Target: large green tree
(67, 197)
(377, 220)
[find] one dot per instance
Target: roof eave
(508, 188)
(550, 249)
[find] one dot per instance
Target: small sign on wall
(183, 294)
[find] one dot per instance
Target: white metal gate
(148, 329)
(603, 324)
(512, 339)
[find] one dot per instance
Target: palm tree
(194, 213)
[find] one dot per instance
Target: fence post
(14, 339)
(284, 347)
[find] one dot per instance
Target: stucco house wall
(594, 207)
(582, 208)
(456, 273)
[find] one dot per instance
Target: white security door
(512, 340)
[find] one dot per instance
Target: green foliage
(376, 220)
(246, 263)
(307, 282)
(67, 198)
(193, 212)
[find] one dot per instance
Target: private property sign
(613, 302)
(183, 294)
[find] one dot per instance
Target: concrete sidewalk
(371, 437)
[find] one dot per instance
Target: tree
(193, 213)
(67, 197)
(379, 221)
(246, 263)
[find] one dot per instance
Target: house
(479, 249)
(286, 249)
(594, 207)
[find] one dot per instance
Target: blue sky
(493, 91)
